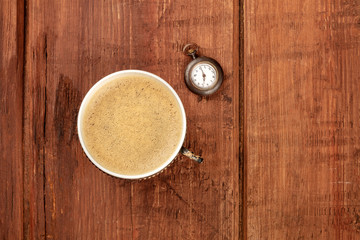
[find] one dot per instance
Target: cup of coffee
(132, 125)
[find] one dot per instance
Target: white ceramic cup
(179, 147)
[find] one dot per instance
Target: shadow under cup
(176, 146)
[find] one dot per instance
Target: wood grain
(73, 44)
(302, 119)
(11, 105)
(35, 105)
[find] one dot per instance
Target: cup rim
(109, 78)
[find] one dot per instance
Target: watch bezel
(194, 88)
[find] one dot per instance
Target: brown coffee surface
(132, 125)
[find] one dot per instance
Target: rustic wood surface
(296, 96)
(69, 46)
(302, 119)
(11, 117)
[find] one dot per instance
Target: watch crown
(190, 49)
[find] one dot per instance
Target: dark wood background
(302, 119)
(52, 53)
(281, 139)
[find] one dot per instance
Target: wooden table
(281, 139)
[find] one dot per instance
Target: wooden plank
(242, 155)
(73, 44)
(34, 124)
(11, 108)
(302, 122)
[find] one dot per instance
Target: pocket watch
(203, 75)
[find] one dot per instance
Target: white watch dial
(204, 76)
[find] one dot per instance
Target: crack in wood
(201, 217)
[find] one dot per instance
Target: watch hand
(203, 74)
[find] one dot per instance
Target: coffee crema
(132, 125)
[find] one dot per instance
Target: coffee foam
(132, 125)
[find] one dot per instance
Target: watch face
(204, 75)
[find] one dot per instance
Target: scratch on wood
(131, 210)
(53, 197)
(44, 131)
(201, 217)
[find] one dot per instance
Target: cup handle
(186, 152)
